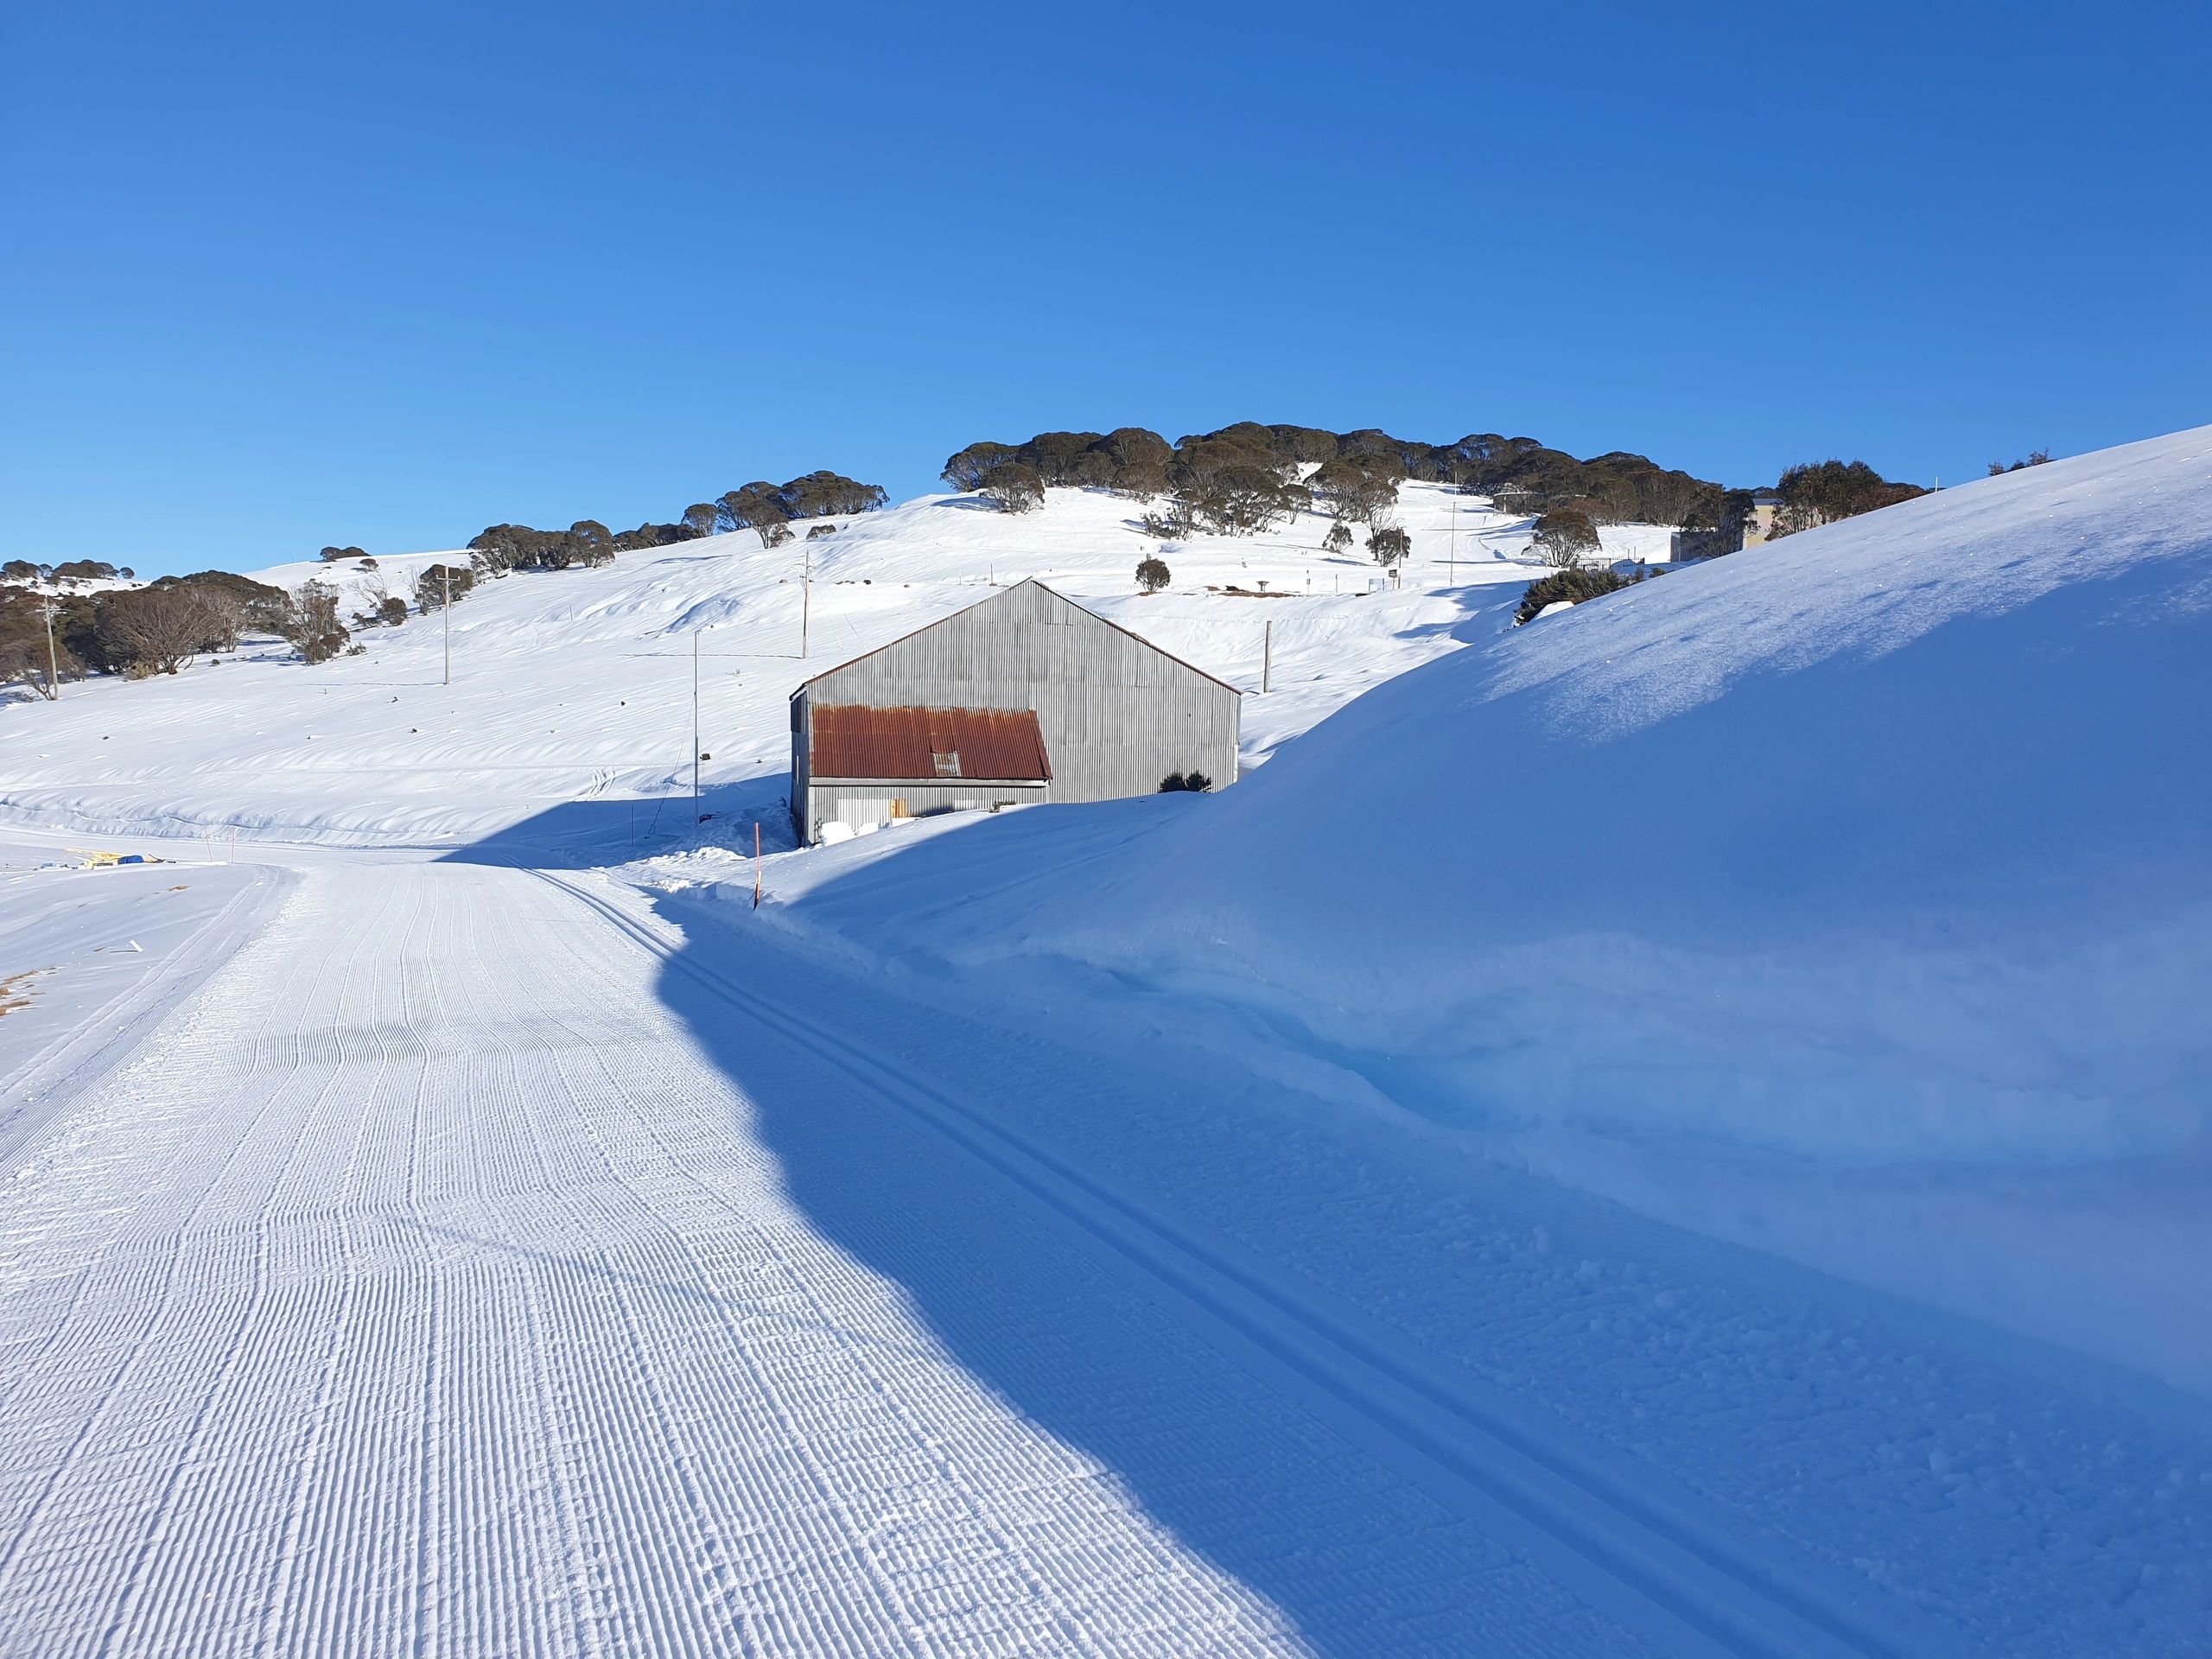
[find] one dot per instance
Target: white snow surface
(1149, 1228)
(480, 1260)
(1851, 897)
(572, 689)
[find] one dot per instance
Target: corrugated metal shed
(910, 743)
(1115, 713)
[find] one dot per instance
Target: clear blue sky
(279, 275)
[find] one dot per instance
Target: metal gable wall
(1116, 713)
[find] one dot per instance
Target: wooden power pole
(53, 668)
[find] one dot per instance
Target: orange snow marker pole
(756, 867)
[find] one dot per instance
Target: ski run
(451, 1220)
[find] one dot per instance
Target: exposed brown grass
(16, 989)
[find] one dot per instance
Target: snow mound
(1894, 837)
(1850, 896)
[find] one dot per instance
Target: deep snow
(1125, 1227)
(1850, 896)
(484, 1261)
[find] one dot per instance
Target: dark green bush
(1584, 581)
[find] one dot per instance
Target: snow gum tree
(159, 630)
(1014, 487)
(1821, 492)
(1390, 545)
(1564, 538)
(315, 631)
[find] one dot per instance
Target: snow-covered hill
(1117, 1219)
(1851, 897)
(575, 687)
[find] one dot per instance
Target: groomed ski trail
(1681, 1581)
(422, 1287)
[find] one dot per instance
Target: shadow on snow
(1040, 1316)
(1037, 1313)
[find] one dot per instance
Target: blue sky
(283, 275)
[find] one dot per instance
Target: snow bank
(1899, 803)
(1887, 846)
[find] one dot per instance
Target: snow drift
(1895, 838)
(1889, 843)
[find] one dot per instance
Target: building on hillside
(1025, 697)
(1765, 505)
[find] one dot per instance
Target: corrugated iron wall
(1117, 714)
(858, 804)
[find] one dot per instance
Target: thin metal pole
(756, 866)
(695, 726)
(1267, 660)
(445, 572)
(1452, 559)
(805, 602)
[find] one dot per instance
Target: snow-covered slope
(571, 690)
(1954, 743)
(1771, 895)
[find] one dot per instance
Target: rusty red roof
(923, 745)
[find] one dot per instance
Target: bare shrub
(160, 629)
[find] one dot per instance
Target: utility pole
(805, 600)
(53, 669)
(1452, 559)
(1268, 659)
(446, 572)
(695, 819)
